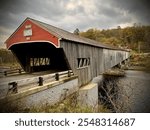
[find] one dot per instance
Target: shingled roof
(65, 35)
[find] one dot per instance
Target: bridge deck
(5, 80)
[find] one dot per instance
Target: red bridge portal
(36, 48)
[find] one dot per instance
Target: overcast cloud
(72, 14)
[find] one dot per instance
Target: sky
(72, 14)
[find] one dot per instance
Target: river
(128, 93)
(136, 87)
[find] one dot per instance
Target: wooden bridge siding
(106, 59)
(74, 50)
(100, 59)
(113, 57)
(72, 53)
(127, 55)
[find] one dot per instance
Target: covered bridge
(39, 47)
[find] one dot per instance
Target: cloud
(139, 9)
(71, 14)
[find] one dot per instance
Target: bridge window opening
(28, 26)
(83, 62)
(27, 31)
(39, 61)
(88, 61)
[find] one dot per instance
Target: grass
(10, 65)
(69, 105)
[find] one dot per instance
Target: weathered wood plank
(100, 59)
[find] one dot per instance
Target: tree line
(135, 37)
(6, 56)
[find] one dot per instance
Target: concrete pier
(88, 96)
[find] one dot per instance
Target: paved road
(5, 80)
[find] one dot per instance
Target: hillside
(135, 37)
(7, 59)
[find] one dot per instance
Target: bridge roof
(65, 35)
(59, 34)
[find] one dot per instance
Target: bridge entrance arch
(40, 56)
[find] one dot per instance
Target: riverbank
(140, 61)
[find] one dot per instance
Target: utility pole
(139, 47)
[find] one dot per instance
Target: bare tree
(114, 96)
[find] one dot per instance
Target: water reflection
(130, 93)
(136, 84)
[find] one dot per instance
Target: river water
(136, 88)
(129, 93)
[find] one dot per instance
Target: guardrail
(39, 80)
(13, 71)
